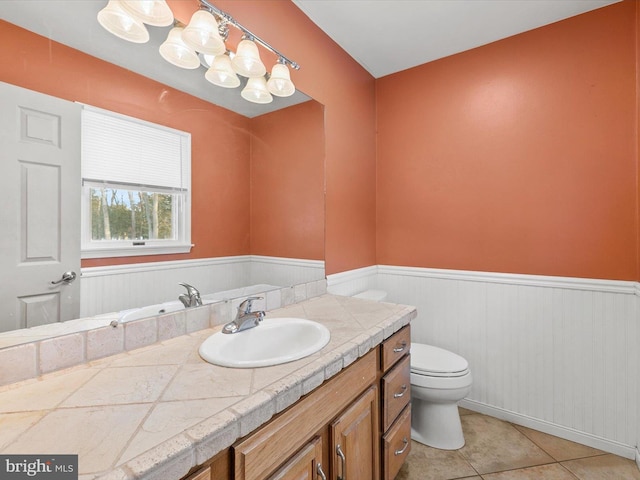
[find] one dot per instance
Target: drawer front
(396, 391)
(395, 347)
(397, 444)
(201, 475)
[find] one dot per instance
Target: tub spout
(191, 298)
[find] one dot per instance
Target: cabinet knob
(343, 460)
(321, 473)
(403, 389)
(401, 451)
(401, 348)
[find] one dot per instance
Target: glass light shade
(174, 51)
(118, 22)
(247, 60)
(221, 73)
(202, 34)
(280, 83)
(256, 91)
(151, 12)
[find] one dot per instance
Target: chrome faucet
(191, 298)
(245, 318)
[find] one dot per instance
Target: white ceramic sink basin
(274, 341)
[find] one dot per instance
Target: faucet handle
(245, 306)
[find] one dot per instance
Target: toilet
(439, 380)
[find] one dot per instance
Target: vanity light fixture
(221, 72)
(174, 50)
(256, 91)
(201, 34)
(116, 20)
(205, 34)
(279, 82)
(151, 12)
(247, 59)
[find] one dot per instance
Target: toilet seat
(427, 360)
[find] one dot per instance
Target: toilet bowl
(439, 379)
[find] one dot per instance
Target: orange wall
(287, 183)
(518, 156)
(347, 92)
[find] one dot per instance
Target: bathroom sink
(274, 341)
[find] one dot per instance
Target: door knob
(67, 277)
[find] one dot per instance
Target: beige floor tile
(604, 467)
(553, 471)
(464, 411)
(559, 448)
(426, 463)
(493, 445)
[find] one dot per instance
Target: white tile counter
(157, 411)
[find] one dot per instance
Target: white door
(39, 208)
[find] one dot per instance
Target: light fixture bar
(230, 20)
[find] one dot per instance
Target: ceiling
(387, 36)
(384, 36)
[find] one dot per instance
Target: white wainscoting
(556, 354)
(119, 287)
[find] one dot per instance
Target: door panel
(355, 445)
(303, 465)
(40, 215)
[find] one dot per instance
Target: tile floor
(498, 450)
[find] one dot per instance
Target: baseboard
(592, 441)
(638, 457)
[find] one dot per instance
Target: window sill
(141, 250)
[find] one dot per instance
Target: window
(136, 180)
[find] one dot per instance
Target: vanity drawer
(395, 347)
(397, 444)
(396, 391)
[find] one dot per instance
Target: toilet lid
(434, 361)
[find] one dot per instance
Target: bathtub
(132, 314)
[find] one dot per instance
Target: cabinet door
(305, 465)
(355, 445)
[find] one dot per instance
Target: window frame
(181, 217)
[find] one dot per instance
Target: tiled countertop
(155, 412)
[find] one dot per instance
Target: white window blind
(146, 170)
(124, 150)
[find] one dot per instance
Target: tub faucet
(191, 298)
(245, 318)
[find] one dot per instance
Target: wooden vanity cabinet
(355, 426)
(396, 402)
(348, 400)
